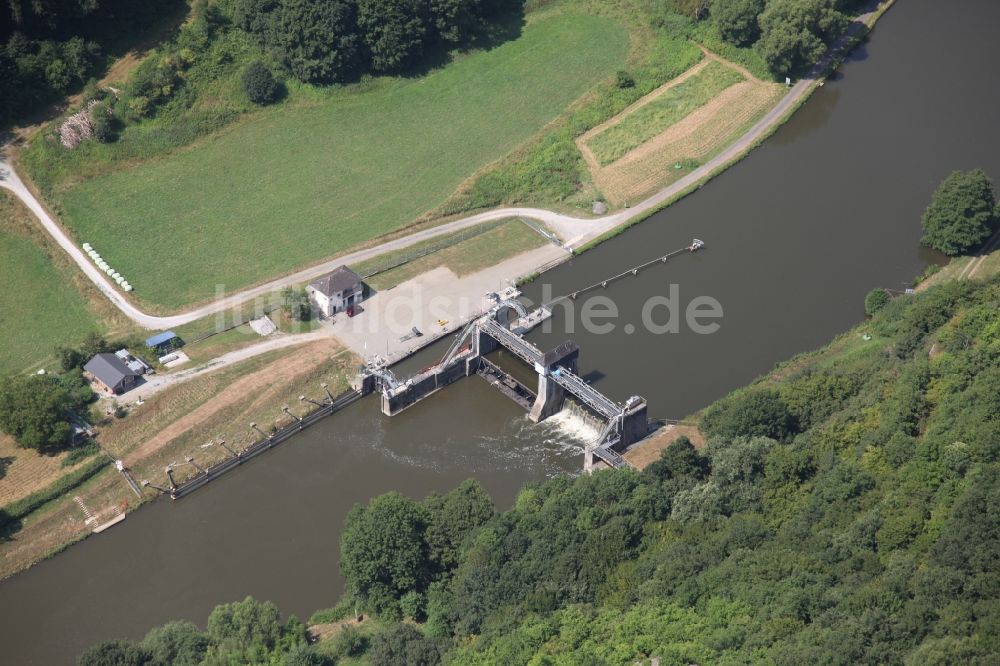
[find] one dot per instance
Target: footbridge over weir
(503, 326)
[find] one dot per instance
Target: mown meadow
(40, 304)
(328, 169)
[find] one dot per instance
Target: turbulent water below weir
(797, 234)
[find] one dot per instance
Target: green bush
(383, 554)
(752, 413)
(259, 83)
(177, 644)
(80, 453)
(624, 80)
(115, 653)
(876, 300)
(34, 411)
(413, 604)
(348, 642)
(104, 129)
(403, 645)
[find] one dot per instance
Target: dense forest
(52, 48)
(846, 510)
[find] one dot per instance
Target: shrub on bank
(962, 213)
(259, 83)
(876, 300)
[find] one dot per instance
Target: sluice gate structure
(503, 326)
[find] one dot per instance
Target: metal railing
(610, 457)
(586, 393)
(213, 471)
(520, 347)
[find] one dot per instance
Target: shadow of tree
(115, 39)
(495, 31)
(9, 526)
(5, 462)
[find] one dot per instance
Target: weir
(503, 326)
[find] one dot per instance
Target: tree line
(791, 35)
(51, 49)
(328, 41)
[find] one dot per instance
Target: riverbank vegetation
(36, 409)
(840, 513)
(963, 213)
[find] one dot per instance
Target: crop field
(24, 471)
(40, 306)
(675, 130)
(674, 104)
(307, 180)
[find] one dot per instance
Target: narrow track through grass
(674, 104)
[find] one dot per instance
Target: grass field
(40, 304)
(674, 104)
(491, 247)
(299, 183)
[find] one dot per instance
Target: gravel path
(156, 383)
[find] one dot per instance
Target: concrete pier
(551, 394)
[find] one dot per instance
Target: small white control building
(336, 291)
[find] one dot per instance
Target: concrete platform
(437, 303)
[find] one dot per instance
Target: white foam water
(571, 428)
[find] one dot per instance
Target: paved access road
(576, 231)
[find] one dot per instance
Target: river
(797, 233)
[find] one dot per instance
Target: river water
(797, 234)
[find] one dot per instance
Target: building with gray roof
(112, 373)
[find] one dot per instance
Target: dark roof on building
(109, 369)
(340, 280)
(160, 338)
